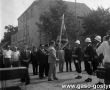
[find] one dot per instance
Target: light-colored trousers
(52, 70)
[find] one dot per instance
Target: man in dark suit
(34, 60)
(41, 61)
(25, 60)
(68, 57)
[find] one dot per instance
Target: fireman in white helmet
(98, 38)
(77, 58)
(88, 58)
(97, 42)
(77, 42)
(88, 40)
(98, 59)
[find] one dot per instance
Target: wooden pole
(61, 31)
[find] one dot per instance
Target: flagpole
(62, 27)
(61, 31)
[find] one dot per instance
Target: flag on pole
(63, 29)
(63, 34)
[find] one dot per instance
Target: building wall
(28, 32)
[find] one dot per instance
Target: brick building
(28, 33)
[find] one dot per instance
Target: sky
(12, 9)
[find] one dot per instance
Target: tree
(50, 21)
(97, 22)
(10, 30)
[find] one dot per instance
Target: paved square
(65, 78)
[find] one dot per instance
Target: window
(31, 12)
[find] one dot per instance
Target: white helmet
(98, 38)
(88, 40)
(77, 41)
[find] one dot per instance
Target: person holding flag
(67, 53)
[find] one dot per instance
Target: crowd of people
(45, 58)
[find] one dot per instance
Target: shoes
(78, 77)
(99, 83)
(27, 83)
(49, 79)
(94, 73)
(60, 71)
(70, 70)
(35, 73)
(41, 77)
(88, 80)
(55, 78)
(22, 80)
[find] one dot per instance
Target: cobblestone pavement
(65, 78)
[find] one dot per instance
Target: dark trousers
(107, 74)
(68, 65)
(46, 69)
(7, 62)
(88, 67)
(1, 64)
(95, 64)
(16, 64)
(35, 68)
(78, 65)
(41, 70)
(27, 78)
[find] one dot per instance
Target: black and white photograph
(54, 44)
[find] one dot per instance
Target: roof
(81, 8)
(33, 3)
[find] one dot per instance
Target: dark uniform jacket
(34, 58)
(25, 58)
(77, 53)
(89, 53)
(68, 54)
(46, 56)
(41, 57)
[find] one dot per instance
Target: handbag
(100, 72)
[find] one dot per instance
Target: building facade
(28, 34)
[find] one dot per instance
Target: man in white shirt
(7, 57)
(15, 57)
